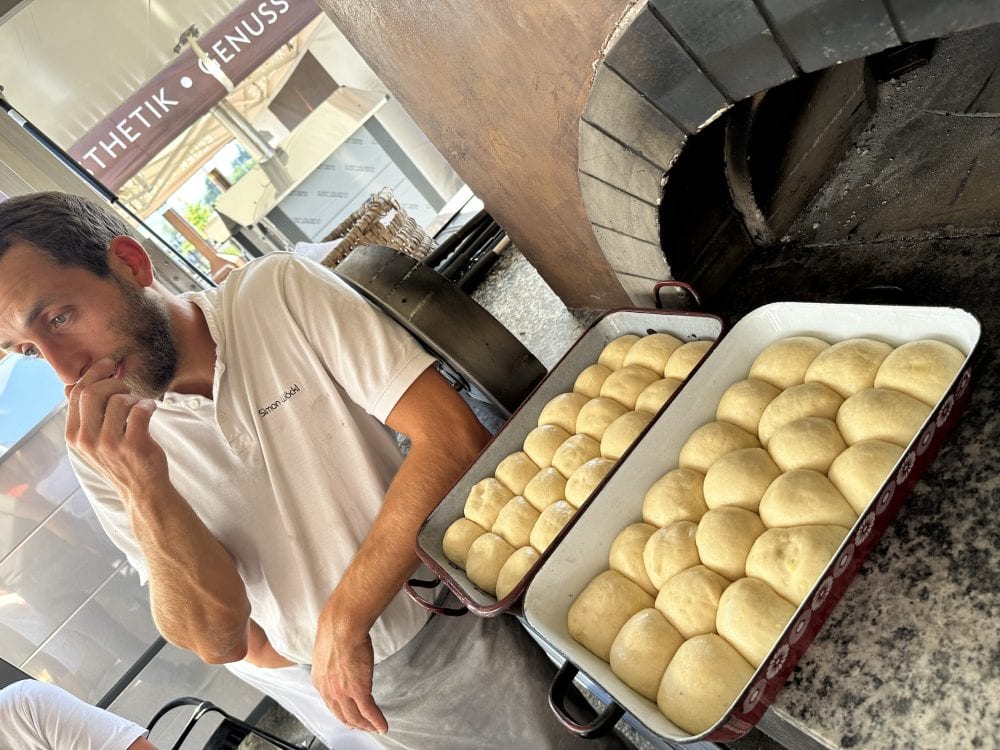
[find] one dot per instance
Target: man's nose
(69, 365)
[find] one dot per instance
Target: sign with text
(124, 141)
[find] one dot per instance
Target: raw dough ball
(848, 366)
(784, 363)
(613, 354)
(656, 394)
(806, 400)
(809, 443)
(545, 488)
(739, 479)
(859, 471)
(684, 359)
(623, 432)
(805, 498)
(923, 369)
(485, 559)
(881, 414)
(690, 599)
(701, 681)
(596, 415)
(485, 500)
(515, 471)
(514, 570)
(642, 649)
(744, 402)
(515, 521)
(711, 442)
(724, 538)
(626, 554)
(458, 538)
(590, 380)
(540, 444)
(582, 482)
(574, 453)
(791, 560)
(563, 410)
(751, 617)
(652, 351)
(676, 496)
(601, 610)
(625, 385)
(550, 523)
(669, 551)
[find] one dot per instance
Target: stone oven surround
(672, 67)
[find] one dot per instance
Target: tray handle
(673, 284)
(415, 583)
(599, 727)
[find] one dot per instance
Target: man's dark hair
(71, 230)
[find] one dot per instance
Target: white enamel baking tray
(583, 553)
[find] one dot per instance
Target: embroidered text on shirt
(263, 412)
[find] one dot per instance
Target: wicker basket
(379, 221)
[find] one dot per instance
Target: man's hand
(342, 672)
(110, 428)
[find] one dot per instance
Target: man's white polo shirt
(288, 464)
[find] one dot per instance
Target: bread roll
(669, 551)
(804, 497)
(751, 617)
(642, 649)
(922, 369)
(514, 570)
(590, 380)
(711, 442)
(515, 471)
(690, 599)
(739, 479)
(798, 402)
(582, 482)
(550, 522)
(626, 554)
(685, 358)
(596, 415)
(623, 432)
(541, 443)
(791, 560)
(848, 366)
(676, 496)
(486, 557)
(744, 402)
(702, 680)
(783, 364)
(515, 521)
(652, 351)
(808, 443)
(724, 538)
(545, 488)
(625, 385)
(860, 470)
(574, 453)
(562, 411)
(458, 538)
(656, 394)
(613, 354)
(881, 414)
(485, 500)
(602, 608)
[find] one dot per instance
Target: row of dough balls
(695, 645)
(510, 518)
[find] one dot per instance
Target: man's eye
(59, 320)
(30, 351)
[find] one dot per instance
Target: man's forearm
(198, 599)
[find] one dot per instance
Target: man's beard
(146, 328)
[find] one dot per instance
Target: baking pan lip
(826, 320)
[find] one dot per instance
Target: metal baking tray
(583, 552)
(687, 326)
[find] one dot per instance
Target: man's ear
(129, 258)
